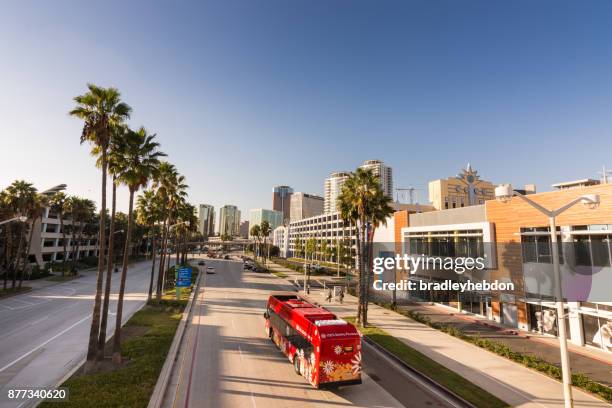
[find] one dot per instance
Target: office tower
(305, 205)
(229, 220)
(206, 220)
(274, 218)
(281, 200)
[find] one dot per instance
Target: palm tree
(116, 146)
(265, 232)
(149, 213)
(255, 232)
(362, 202)
(138, 162)
(57, 204)
(171, 189)
(102, 110)
(35, 213)
(20, 196)
(81, 212)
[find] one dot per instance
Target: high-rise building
(229, 220)
(274, 218)
(206, 220)
(333, 186)
(461, 191)
(244, 229)
(305, 205)
(281, 201)
(384, 172)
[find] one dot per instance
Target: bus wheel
(296, 364)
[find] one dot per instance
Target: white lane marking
(45, 343)
(35, 322)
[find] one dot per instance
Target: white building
(384, 172)
(280, 238)
(333, 187)
(328, 228)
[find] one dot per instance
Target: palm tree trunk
(27, 253)
(92, 349)
(152, 268)
(61, 220)
(16, 263)
(359, 292)
(126, 254)
(109, 274)
(160, 273)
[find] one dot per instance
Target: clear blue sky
(245, 95)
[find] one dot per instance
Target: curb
(159, 392)
(439, 388)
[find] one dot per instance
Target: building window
(593, 249)
(536, 246)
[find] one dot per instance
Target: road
(44, 333)
(226, 360)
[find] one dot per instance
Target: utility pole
(604, 174)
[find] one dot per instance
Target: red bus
(323, 349)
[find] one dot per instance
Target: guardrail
(159, 392)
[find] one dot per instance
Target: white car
(210, 269)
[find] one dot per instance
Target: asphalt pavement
(226, 359)
(44, 333)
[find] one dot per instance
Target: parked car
(226, 257)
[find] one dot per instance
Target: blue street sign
(183, 278)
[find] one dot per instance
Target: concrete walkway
(519, 386)
(596, 364)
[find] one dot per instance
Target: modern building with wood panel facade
(516, 238)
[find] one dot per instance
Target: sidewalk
(519, 386)
(594, 363)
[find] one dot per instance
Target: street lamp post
(504, 193)
(20, 219)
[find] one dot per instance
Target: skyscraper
(385, 173)
(274, 218)
(305, 206)
(281, 200)
(206, 220)
(229, 220)
(333, 186)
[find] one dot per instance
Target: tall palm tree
(148, 213)
(362, 202)
(20, 197)
(138, 162)
(57, 203)
(101, 109)
(116, 146)
(171, 189)
(265, 232)
(255, 232)
(35, 213)
(81, 212)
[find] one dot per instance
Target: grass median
(437, 372)
(146, 339)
